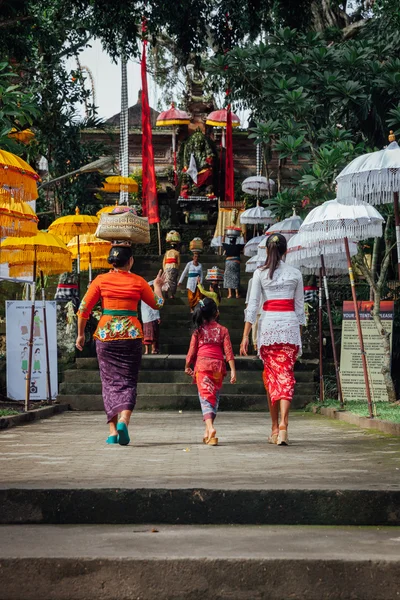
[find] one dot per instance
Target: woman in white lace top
(279, 289)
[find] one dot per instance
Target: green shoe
(123, 434)
(112, 439)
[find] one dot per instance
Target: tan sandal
(283, 439)
(213, 441)
(205, 440)
(273, 439)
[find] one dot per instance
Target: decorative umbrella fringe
(376, 187)
(352, 232)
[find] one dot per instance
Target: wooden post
(90, 268)
(321, 367)
(359, 329)
(28, 375)
(397, 223)
(335, 358)
(78, 269)
(159, 238)
(46, 340)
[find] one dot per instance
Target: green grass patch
(382, 410)
(7, 412)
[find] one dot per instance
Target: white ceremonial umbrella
(334, 221)
(288, 227)
(374, 178)
(251, 247)
(258, 185)
(314, 259)
(252, 264)
(255, 215)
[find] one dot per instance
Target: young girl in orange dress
(206, 363)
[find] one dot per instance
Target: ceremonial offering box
(173, 236)
(196, 245)
(215, 274)
(233, 232)
(123, 225)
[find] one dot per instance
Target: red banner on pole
(229, 174)
(149, 187)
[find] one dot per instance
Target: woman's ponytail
(205, 311)
(276, 248)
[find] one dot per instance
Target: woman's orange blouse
(118, 290)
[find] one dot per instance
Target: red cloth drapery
(149, 187)
(229, 175)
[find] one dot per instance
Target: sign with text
(350, 358)
(18, 319)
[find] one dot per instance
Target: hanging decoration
(17, 218)
(149, 188)
(124, 132)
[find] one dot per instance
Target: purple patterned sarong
(119, 363)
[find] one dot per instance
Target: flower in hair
(202, 305)
(275, 239)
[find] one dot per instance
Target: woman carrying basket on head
(118, 335)
(279, 287)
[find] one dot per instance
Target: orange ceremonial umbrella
(17, 178)
(171, 118)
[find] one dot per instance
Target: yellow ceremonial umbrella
(91, 249)
(17, 218)
(117, 183)
(106, 209)
(74, 225)
(48, 254)
(17, 178)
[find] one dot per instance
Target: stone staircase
(163, 385)
(162, 382)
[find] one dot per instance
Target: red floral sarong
(278, 374)
(209, 384)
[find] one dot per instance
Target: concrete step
(160, 562)
(189, 401)
(177, 362)
(165, 376)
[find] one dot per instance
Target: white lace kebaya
(277, 327)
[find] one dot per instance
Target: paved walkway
(68, 451)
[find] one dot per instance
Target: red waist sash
(170, 261)
(284, 305)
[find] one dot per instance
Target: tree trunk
(374, 265)
(387, 359)
(325, 15)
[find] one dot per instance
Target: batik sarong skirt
(119, 363)
(278, 374)
(151, 333)
(232, 274)
(209, 384)
(171, 280)
(194, 297)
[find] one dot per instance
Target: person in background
(205, 362)
(192, 271)
(151, 327)
(171, 263)
(214, 292)
(279, 287)
(118, 335)
(254, 327)
(232, 251)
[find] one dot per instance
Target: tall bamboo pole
(321, 342)
(335, 358)
(46, 340)
(28, 375)
(359, 329)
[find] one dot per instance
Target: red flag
(229, 175)
(149, 187)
